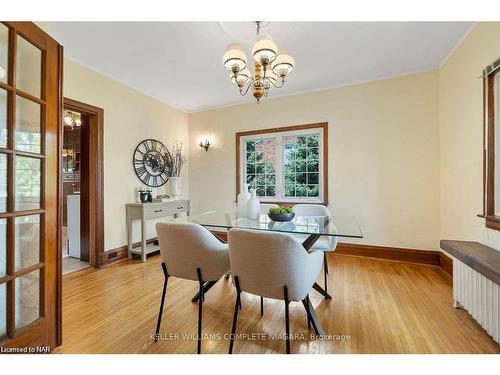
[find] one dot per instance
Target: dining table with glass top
(309, 227)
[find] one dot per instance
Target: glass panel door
(30, 110)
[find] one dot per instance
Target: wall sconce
(206, 144)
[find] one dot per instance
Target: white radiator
(479, 296)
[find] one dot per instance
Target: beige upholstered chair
(272, 265)
(190, 252)
(325, 243)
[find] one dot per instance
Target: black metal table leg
(206, 287)
(321, 291)
(311, 313)
(308, 242)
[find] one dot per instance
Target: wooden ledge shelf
(479, 257)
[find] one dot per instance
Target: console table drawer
(160, 211)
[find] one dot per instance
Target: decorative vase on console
(175, 186)
(253, 206)
(176, 163)
(243, 198)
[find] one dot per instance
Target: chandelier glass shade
(271, 66)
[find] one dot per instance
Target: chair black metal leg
(235, 316)
(287, 320)
(201, 298)
(325, 271)
(164, 293)
(261, 306)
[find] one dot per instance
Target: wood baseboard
(119, 253)
(428, 257)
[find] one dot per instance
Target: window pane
(251, 180)
(260, 165)
(3, 118)
(312, 166)
(250, 168)
(3, 182)
(27, 299)
(27, 183)
(28, 136)
(4, 50)
(3, 310)
(312, 153)
(313, 141)
(270, 191)
(3, 247)
(313, 191)
(28, 67)
(313, 178)
(27, 242)
(260, 180)
(270, 179)
(301, 190)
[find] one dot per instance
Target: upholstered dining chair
(189, 251)
(272, 265)
(324, 243)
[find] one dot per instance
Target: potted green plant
(281, 213)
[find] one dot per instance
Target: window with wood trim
(491, 155)
(284, 165)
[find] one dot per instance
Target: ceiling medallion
(269, 66)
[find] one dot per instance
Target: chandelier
(271, 66)
(72, 119)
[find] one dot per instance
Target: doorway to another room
(81, 202)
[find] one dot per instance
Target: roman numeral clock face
(152, 162)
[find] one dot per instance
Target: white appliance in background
(74, 225)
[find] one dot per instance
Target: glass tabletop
(336, 226)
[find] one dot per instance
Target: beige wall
(461, 136)
(383, 159)
(129, 117)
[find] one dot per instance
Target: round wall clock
(152, 162)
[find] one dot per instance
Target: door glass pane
(4, 48)
(3, 247)
(3, 182)
(27, 299)
(27, 250)
(3, 310)
(3, 118)
(28, 67)
(28, 136)
(27, 181)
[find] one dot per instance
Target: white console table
(146, 211)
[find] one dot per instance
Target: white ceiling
(180, 63)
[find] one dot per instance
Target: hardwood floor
(378, 306)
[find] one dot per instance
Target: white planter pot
(175, 186)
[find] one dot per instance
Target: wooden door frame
(95, 202)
